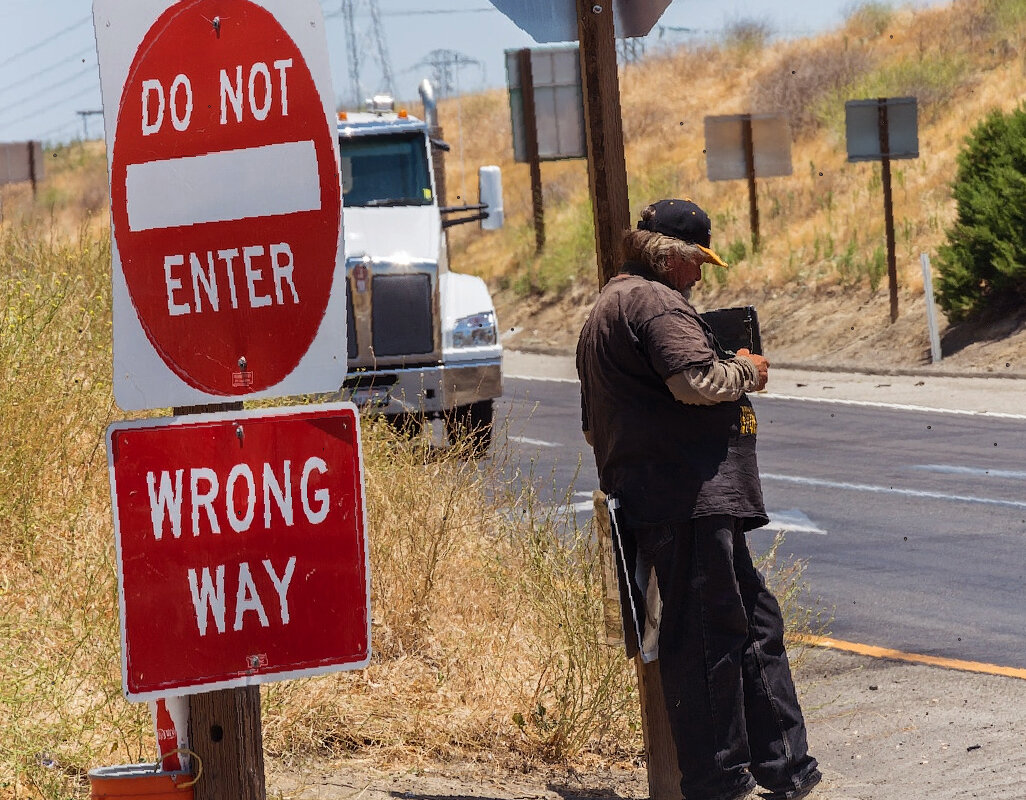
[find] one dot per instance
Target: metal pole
(931, 317)
(753, 198)
(531, 144)
(607, 169)
(885, 163)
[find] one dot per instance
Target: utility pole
(85, 120)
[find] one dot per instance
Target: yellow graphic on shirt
(748, 424)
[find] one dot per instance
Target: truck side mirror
(489, 188)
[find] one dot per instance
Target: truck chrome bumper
(430, 390)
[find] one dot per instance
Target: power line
(90, 69)
(47, 40)
(436, 11)
(44, 109)
(50, 68)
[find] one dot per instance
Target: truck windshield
(388, 170)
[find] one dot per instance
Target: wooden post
(32, 167)
(224, 725)
(531, 144)
(660, 753)
(607, 168)
(753, 198)
(885, 164)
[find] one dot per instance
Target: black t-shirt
(666, 461)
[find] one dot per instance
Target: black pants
(731, 701)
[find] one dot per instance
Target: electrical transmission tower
(445, 66)
(368, 44)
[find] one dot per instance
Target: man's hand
(761, 366)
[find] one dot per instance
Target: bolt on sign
(225, 201)
(241, 548)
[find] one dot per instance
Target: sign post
(240, 535)
(879, 130)
(242, 558)
(607, 166)
(531, 145)
(594, 27)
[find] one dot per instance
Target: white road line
(790, 521)
(862, 487)
(537, 378)
(893, 406)
(535, 442)
(951, 469)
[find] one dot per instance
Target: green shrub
(983, 264)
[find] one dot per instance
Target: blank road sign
(558, 102)
(725, 147)
(21, 161)
(862, 128)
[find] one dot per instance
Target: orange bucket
(143, 781)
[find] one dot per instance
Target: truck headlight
(475, 331)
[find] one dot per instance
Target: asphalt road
(912, 521)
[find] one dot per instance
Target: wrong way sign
(225, 200)
(241, 548)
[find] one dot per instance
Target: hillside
(819, 281)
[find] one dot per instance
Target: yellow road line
(915, 658)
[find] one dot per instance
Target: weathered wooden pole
(885, 169)
(531, 144)
(607, 168)
(224, 725)
(660, 753)
(753, 197)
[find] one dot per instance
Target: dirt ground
(881, 729)
(830, 328)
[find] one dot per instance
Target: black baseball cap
(684, 220)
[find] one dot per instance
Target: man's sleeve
(717, 383)
(675, 342)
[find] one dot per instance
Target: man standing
(666, 411)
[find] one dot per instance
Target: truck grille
(351, 344)
(401, 321)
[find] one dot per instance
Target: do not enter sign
(225, 200)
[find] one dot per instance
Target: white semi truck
(423, 340)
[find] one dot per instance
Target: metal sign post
(879, 130)
(547, 113)
(531, 145)
(747, 146)
(885, 168)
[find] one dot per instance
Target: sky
(49, 80)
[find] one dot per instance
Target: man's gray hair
(653, 250)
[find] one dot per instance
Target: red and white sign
(225, 200)
(241, 548)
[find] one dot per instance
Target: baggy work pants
(731, 700)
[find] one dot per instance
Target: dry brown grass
(822, 227)
(487, 621)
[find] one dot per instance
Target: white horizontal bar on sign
(226, 185)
